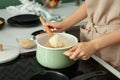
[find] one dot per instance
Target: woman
(101, 33)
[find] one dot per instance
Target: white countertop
(9, 34)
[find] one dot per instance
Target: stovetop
(26, 65)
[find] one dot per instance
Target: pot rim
(76, 41)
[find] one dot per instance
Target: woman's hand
(57, 26)
(82, 50)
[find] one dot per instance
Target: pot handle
(89, 75)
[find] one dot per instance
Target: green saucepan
(53, 57)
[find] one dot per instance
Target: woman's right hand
(57, 26)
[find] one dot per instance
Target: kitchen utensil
(54, 75)
(54, 57)
(2, 22)
(9, 53)
(50, 33)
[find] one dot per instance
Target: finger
(68, 53)
(73, 49)
(53, 29)
(81, 54)
(50, 25)
(48, 30)
(44, 29)
(74, 56)
(85, 57)
(59, 30)
(75, 59)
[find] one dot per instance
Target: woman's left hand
(82, 50)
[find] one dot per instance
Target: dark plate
(30, 23)
(23, 18)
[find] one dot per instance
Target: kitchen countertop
(9, 34)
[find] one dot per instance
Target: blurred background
(6, 3)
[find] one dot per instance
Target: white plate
(9, 53)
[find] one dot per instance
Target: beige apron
(103, 17)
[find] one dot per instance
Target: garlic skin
(1, 47)
(57, 41)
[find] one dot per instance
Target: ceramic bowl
(2, 22)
